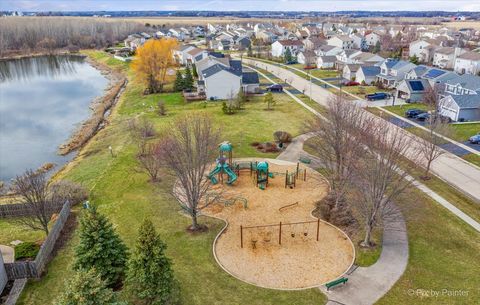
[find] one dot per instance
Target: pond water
(42, 101)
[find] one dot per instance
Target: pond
(42, 101)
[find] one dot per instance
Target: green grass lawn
(400, 109)
(126, 196)
(322, 73)
(464, 131)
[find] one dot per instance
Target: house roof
(370, 70)
(467, 100)
(212, 70)
(417, 85)
(326, 48)
(470, 56)
(467, 81)
(344, 38)
(328, 58)
(195, 51)
(290, 42)
(445, 50)
(250, 77)
(353, 67)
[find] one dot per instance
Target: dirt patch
(300, 261)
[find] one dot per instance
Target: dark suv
(411, 113)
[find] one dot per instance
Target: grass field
(127, 198)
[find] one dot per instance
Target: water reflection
(42, 100)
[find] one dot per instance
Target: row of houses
(219, 76)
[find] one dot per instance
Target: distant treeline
(21, 35)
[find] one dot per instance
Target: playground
(271, 239)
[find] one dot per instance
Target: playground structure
(223, 165)
(274, 241)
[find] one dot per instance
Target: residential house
(221, 81)
(326, 62)
(461, 98)
(313, 43)
(341, 41)
(372, 38)
(279, 47)
(393, 71)
(181, 55)
(195, 55)
(327, 50)
(423, 49)
(359, 42)
(412, 89)
(350, 71)
(367, 74)
(468, 63)
(445, 57)
(308, 58)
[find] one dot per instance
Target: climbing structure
(223, 165)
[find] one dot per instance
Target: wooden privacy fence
(33, 269)
(22, 209)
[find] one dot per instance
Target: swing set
(281, 232)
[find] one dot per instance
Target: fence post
(305, 175)
(286, 179)
(298, 165)
(318, 227)
(241, 236)
(280, 234)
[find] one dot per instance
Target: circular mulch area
(300, 261)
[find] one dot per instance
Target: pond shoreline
(100, 107)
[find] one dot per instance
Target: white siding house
(220, 83)
(468, 63)
(341, 41)
(279, 47)
(371, 39)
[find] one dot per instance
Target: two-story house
(462, 98)
(445, 57)
(341, 41)
(468, 63)
(392, 71)
(279, 47)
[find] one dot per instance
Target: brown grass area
(462, 24)
(300, 261)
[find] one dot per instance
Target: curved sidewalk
(365, 285)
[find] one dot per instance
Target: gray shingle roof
(370, 70)
(250, 77)
(467, 101)
(467, 81)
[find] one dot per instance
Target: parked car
(411, 113)
(275, 88)
(422, 116)
(377, 96)
(474, 139)
(352, 83)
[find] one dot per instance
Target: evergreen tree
(179, 82)
(269, 100)
(194, 71)
(414, 59)
(150, 276)
(287, 57)
(188, 81)
(100, 247)
(249, 51)
(87, 288)
(377, 47)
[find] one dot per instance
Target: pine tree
(179, 82)
(377, 47)
(194, 71)
(242, 98)
(249, 51)
(101, 248)
(414, 59)
(287, 57)
(188, 81)
(269, 100)
(150, 276)
(87, 288)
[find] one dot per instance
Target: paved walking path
(450, 168)
(365, 284)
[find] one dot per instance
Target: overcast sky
(233, 5)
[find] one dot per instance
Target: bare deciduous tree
(335, 142)
(150, 160)
(380, 177)
(43, 200)
(188, 151)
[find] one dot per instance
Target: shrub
(162, 110)
(255, 144)
(26, 250)
(282, 137)
(69, 190)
